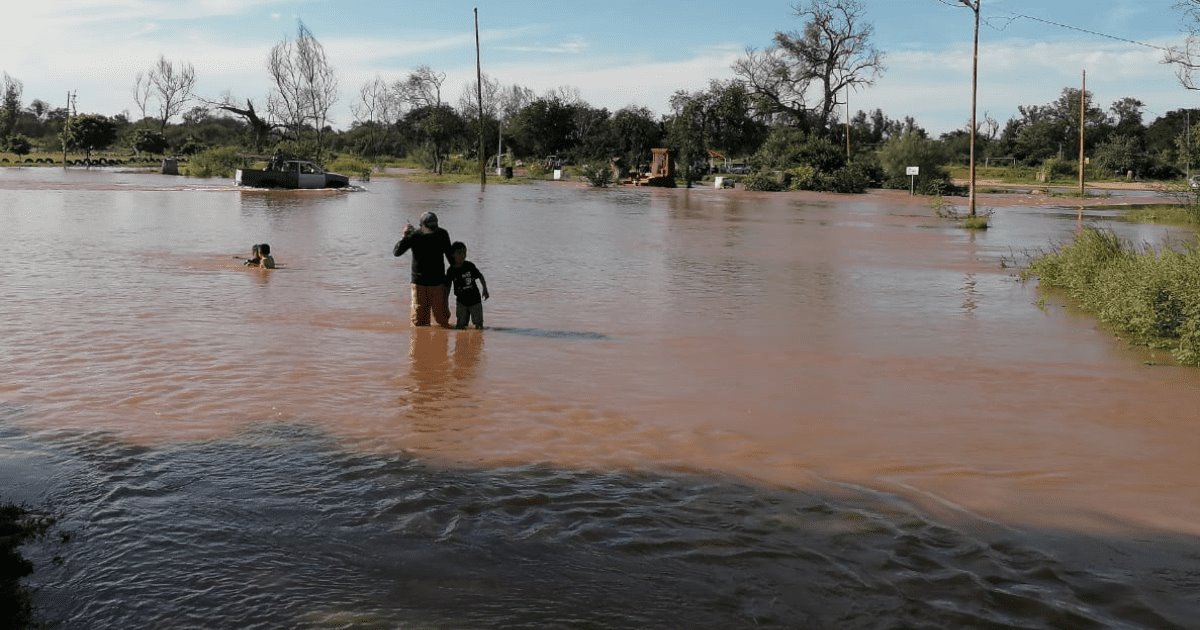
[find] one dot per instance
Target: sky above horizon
(616, 53)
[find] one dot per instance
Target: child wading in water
(261, 253)
(463, 274)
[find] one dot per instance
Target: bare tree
(305, 85)
(260, 128)
(468, 101)
(1186, 58)
(378, 103)
(833, 52)
(172, 86)
(141, 93)
(422, 88)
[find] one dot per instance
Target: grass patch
(17, 525)
(948, 210)
(454, 178)
(1172, 214)
(1151, 296)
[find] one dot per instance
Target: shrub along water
(1151, 295)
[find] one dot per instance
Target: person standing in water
(464, 275)
(431, 251)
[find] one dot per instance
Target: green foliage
(786, 147)
(763, 181)
(977, 222)
(1059, 168)
(299, 150)
(800, 178)
(90, 132)
(149, 141)
(598, 176)
(351, 165)
(913, 149)
(1152, 296)
(19, 145)
(218, 162)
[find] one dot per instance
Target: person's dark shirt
(464, 278)
(429, 250)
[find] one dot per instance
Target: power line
(1011, 17)
(1016, 16)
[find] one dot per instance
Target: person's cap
(429, 219)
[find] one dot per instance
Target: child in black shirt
(463, 274)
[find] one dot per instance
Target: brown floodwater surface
(795, 343)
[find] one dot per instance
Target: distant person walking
(431, 251)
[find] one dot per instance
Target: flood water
(693, 408)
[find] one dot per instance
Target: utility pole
(847, 123)
(1082, 111)
(974, 6)
(479, 94)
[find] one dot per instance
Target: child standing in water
(267, 261)
(463, 274)
(261, 257)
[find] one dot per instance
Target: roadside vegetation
(1151, 296)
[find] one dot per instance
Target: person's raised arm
(405, 241)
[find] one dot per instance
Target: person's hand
(409, 229)
(485, 295)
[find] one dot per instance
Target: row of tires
(96, 162)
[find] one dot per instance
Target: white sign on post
(912, 172)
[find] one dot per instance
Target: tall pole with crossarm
(974, 6)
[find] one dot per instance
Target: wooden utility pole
(974, 6)
(479, 95)
(1082, 112)
(847, 123)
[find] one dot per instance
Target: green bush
(914, 149)
(1057, 168)
(1152, 296)
(351, 165)
(802, 177)
(598, 177)
(763, 181)
(217, 162)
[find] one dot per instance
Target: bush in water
(218, 162)
(1151, 295)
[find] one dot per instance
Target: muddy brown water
(693, 408)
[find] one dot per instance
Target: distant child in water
(264, 252)
(463, 275)
(260, 257)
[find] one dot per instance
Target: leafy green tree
(1121, 154)
(733, 126)
(10, 106)
(544, 127)
(686, 130)
(441, 127)
(89, 132)
(635, 131)
(19, 144)
(913, 149)
(149, 141)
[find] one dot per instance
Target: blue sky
(616, 52)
